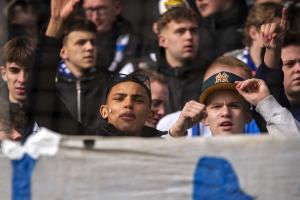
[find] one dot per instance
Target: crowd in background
(66, 63)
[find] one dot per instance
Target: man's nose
(297, 66)
(225, 111)
(188, 34)
(128, 103)
(22, 77)
(94, 16)
(161, 110)
(90, 45)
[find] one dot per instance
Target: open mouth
(226, 126)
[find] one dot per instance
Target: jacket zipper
(78, 89)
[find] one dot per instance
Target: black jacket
(103, 128)
(184, 82)
(83, 96)
(45, 105)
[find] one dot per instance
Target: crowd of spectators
(203, 68)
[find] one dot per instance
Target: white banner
(235, 167)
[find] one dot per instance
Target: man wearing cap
(227, 97)
(227, 111)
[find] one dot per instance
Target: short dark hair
(177, 14)
(291, 38)
(77, 23)
(139, 78)
(19, 50)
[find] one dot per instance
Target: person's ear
(3, 73)
(254, 33)
(103, 111)
(63, 53)
(162, 41)
(154, 28)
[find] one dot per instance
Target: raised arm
(60, 10)
(279, 120)
(193, 112)
(273, 34)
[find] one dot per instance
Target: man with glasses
(117, 42)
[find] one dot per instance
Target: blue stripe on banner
(215, 178)
(21, 183)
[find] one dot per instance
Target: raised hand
(253, 90)
(193, 112)
(273, 33)
(60, 10)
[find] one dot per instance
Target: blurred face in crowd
(291, 68)
(102, 13)
(227, 112)
(15, 76)
(160, 97)
(210, 7)
(180, 41)
(79, 51)
(127, 107)
(27, 20)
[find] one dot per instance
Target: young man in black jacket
(66, 99)
(15, 122)
(176, 58)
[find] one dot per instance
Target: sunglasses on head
(136, 77)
